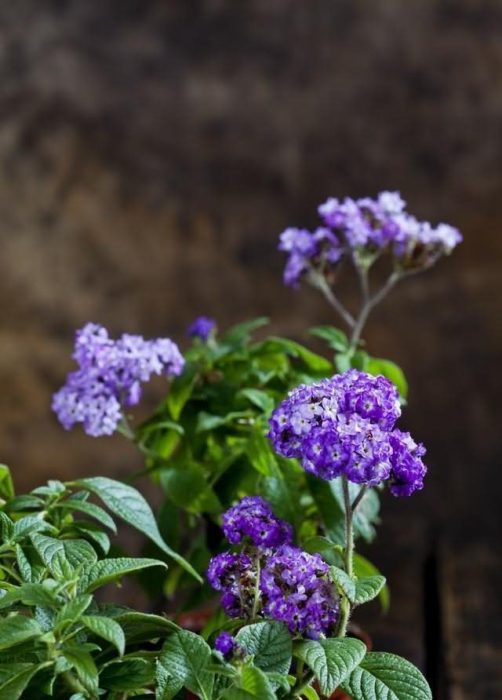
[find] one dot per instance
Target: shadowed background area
(151, 153)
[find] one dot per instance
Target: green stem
(318, 281)
(300, 686)
(256, 600)
(369, 304)
(345, 607)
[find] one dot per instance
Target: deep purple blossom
(408, 469)
(110, 376)
(225, 644)
(296, 590)
(252, 517)
(201, 328)
(345, 426)
(234, 575)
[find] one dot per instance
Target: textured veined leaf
(54, 553)
(368, 588)
(72, 610)
(108, 570)
(129, 674)
(24, 565)
(331, 660)
(35, 594)
(270, 645)
(130, 505)
(186, 657)
(17, 629)
(27, 525)
(144, 626)
(384, 676)
(85, 666)
(91, 509)
(106, 628)
(254, 681)
(344, 582)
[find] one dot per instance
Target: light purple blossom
(110, 376)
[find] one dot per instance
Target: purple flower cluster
(201, 328)
(252, 517)
(109, 377)
(365, 227)
(270, 577)
(297, 591)
(345, 426)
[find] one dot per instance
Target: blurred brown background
(151, 152)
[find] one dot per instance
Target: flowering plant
(271, 459)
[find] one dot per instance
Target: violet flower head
(296, 590)
(110, 376)
(225, 644)
(201, 328)
(235, 577)
(252, 517)
(345, 426)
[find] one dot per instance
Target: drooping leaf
(270, 645)
(130, 505)
(128, 674)
(35, 594)
(384, 676)
(83, 663)
(106, 628)
(186, 656)
(259, 398)
(107, 570)
(331, 660)
(140, 627)
(14, 677)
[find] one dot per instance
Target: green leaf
(315, 363)
(241, 332)
(131, 673)
(17, 629)
(209, 421)
(270, 645)
(33, 594)
(330, 511)
(75, 504)
(181, 389)
(390, 370)
(344, 582)
(334, 337)
(362, 568)
(26, 502)
(366, 515)
(83, 663)
(129, 504)
(260, 454)
(254, 681)
(94, 533)
(24, 565)
(331, 660)
(14, 678)
(310, 693)
(54, 553)
(187, 487)
(186, 656)
(343, 361)
(27, 525)
(6, 527)
(383, 676)
(259, 398)
(108, 570)
(107, 629)
(139, 627)
(72, 610)
(6, 483)
(368, 588)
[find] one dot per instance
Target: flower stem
(318, 281)
(369, 304)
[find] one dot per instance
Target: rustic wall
(151, 152)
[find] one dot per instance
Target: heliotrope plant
(271, 459)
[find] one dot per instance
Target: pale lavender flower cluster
(270, 577)
(201, 328)
(253, 518)
(345, 426)
(365, 227)
(109, 377)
